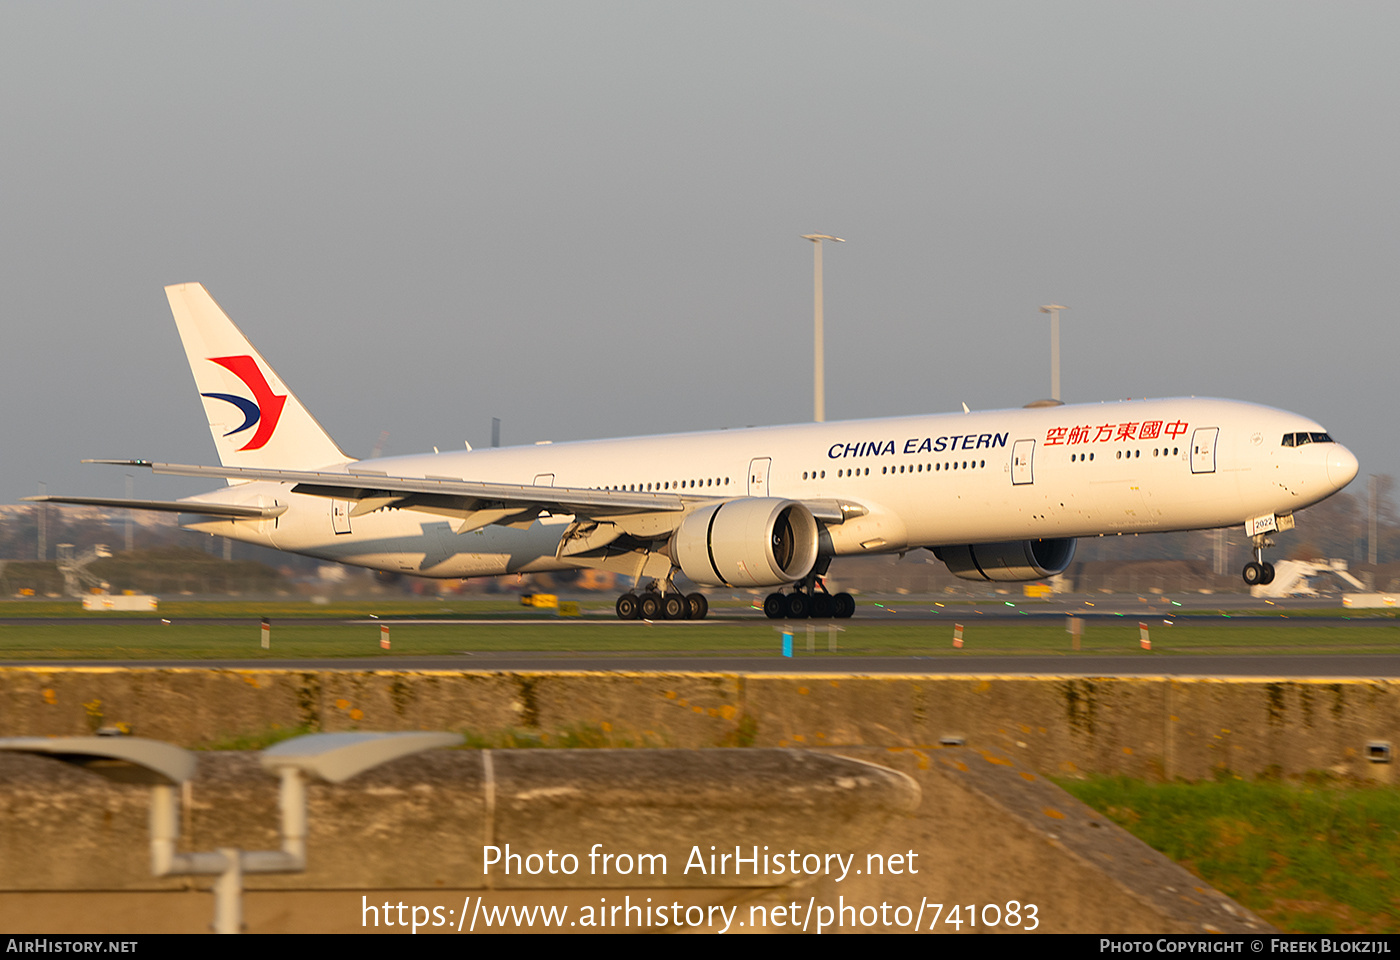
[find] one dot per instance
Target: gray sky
(584, 217)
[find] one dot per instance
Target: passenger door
(1022, 462)
(1203, 449)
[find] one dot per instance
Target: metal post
(818, 339)
(43, 511)
(1054, 310)
(819, 335)
(1371, 551)
(228, 893)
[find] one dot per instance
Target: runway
(1153, 610)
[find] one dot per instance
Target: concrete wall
(921, 831)
(1146, 727)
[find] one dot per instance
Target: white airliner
(1000, 495)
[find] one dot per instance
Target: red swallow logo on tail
(264, 410)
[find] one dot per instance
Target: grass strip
(1318, 857)
(205, 639)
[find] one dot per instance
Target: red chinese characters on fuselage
(1107, 432)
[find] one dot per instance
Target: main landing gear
(657, 602)
(808, 600)
(1257, 572)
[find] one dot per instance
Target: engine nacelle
(754, 542)
(1016, 560)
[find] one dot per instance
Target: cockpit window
(1298, 439)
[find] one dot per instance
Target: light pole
(43, 511)
(1054, 310)
(819, 360)
(1371, 552)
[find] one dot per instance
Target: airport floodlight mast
(1371, 487)
(819, 359)
(1054, 310)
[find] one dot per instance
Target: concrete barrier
(856, 840)
(1153, 727)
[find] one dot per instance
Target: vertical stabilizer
(255, 419)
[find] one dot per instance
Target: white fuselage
(1048, 472)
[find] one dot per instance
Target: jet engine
(1016, 560)
(753, 542)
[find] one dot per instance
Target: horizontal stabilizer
(202, 507)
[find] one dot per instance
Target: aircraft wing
(375, 489)
(476, 504)
(230, 510)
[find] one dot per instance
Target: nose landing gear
(1257, 572)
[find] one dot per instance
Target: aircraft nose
(1342, 466)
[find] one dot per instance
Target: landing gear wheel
(799, 606)
(1254, 573)
(845, 605)
(699, 606)
(674, 607)
(1268, 574)
(627, 606)
(823, 606)
(649, 605)
(775, 606)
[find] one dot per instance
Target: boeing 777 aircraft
(997, 496)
